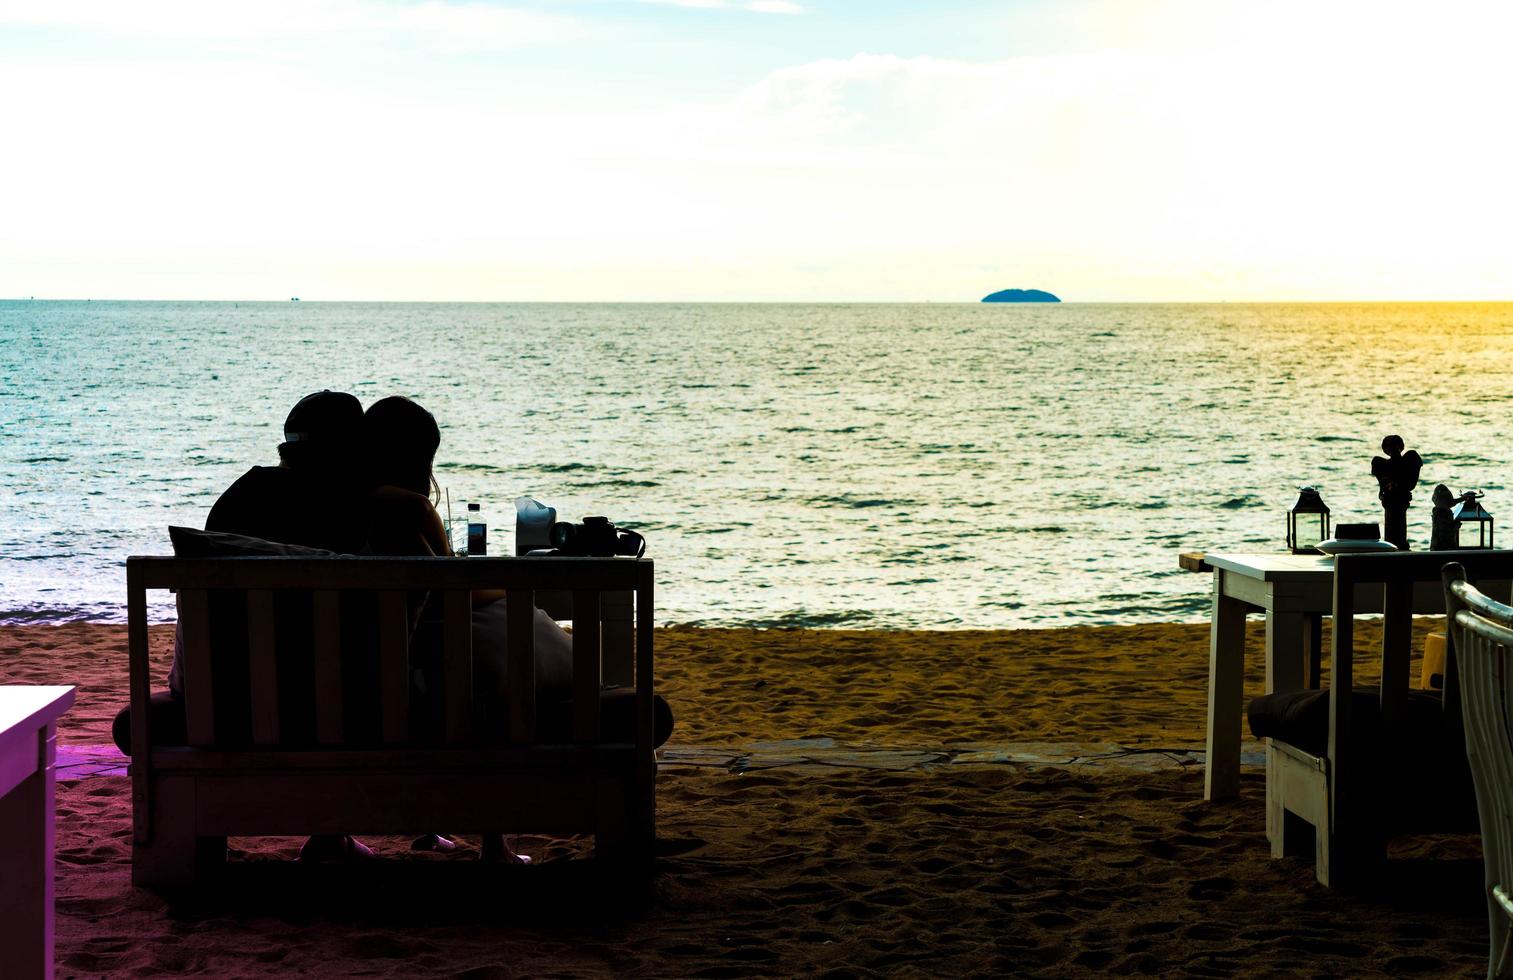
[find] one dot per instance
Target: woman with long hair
(401, 440)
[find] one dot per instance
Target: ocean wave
(860, 503)
(94, 612)
(800, 619)
(588, 484)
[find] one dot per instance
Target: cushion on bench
(190, 543)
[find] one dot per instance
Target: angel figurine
(1396, 475)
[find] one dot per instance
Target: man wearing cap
(308, 498)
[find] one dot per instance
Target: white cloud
(1262, 167)
(431, 22)
(755, 6)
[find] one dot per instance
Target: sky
(755, 150)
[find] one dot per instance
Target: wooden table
(27, 719)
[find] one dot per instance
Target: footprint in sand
(1207, 889)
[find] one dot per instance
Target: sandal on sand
(433, 842)
(329, 848)
(497, 849)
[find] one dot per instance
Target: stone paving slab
(80, 761)
(818, 754)
(813, 755)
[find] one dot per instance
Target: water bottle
(478, 532)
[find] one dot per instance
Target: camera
(596, 537)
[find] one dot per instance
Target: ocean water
(888, 466)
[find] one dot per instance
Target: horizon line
(754, 302)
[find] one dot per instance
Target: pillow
(189, 543)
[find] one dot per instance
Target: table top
(24, 706)
(1273, 567)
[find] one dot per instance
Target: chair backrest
(345, 626)
(1483, 632)
(1405, 580)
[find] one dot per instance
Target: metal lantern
(1307, 522)
(1468, 511)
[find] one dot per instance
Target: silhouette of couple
(355, 482)
(348, 481)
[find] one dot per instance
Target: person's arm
(403, 522)
(406, 523)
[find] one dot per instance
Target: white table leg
(1286, 664)
(26, 865)
(1226, 675)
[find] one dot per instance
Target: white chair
(1482, 633)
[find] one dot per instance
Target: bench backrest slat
(520, 663)
(329, 720)
(586, 676)
(394, 665)
(262, 666)
(194, 620)
(457, 664)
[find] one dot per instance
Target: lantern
(1307, 522)
(1468, 511)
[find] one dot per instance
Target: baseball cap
(326, 417)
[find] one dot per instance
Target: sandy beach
(819, 814)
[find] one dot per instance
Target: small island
(1021, 296)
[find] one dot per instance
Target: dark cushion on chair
(1419, 779)
(1301, 718)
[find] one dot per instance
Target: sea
(934, 466)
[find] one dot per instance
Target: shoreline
(1132, 685)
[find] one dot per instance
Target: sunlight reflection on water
(808, 465)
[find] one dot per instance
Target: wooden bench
(462, 778)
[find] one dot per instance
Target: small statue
(1443, 536)
(1397, 475)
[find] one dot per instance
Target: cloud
(755, 6)
(430, 23)
(1261, 165)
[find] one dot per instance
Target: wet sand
(975, 869)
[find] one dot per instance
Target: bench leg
(174, 855)
(624, 824)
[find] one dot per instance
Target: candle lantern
(1307, 522)
(1468, 511)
